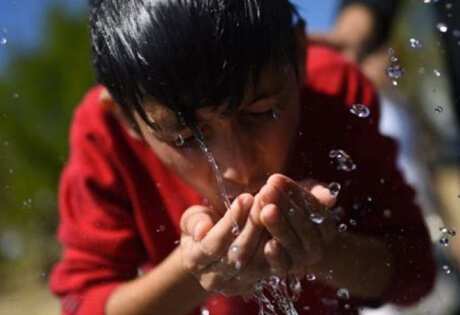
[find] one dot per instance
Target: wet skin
(251, 148)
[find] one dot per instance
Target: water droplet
(11, 171)
(353, 222)
(3, 40)
(274, 280)
(179, 141)
(316, 218)
(421, 70)
(387, 213)
(439, 109)
(16, 95)
(442, 27)
(238, 265)
(448, 6)
(235, 230)
(436, 72)
(276, 113)
(394, 59)
(443, 229)
(328, 278)
(394, 82)
(291, 211)
(343, 293)
(334, 189)
(342, 227)
(360, 110)
(310, 277)
(444, 241)
(415, 43)
(204, 311)
(446, 269)
(234, 248)
(176, 242)
(342, 160)
(27, 204)
(391, 51)
(395, 71)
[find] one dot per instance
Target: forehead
(271, 78)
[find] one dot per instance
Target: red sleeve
(375, 196)
(97, 229)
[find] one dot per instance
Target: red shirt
(120, 207)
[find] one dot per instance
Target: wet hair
(188, 54)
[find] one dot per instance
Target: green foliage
(38, 92)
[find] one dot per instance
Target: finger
(323, 195)
(280, 230)
(197, 221)
(297, 193)
(219, 238)
(278, 260)
(297, 217)
(250, 236)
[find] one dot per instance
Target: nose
(234, 157)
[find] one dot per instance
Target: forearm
(167, 289)
(362, 265)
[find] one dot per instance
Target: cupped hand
(296, 216)
(223, 261)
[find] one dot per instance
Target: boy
(188, 81)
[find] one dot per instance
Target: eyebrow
(260, 95)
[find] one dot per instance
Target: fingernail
(245, 201)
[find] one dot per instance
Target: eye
(263, 107)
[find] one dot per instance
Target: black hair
(188, 54)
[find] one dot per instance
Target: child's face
(248, 146)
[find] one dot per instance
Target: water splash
(343, 294)
(342, 228)
(360, 110)
(179, 141)
(444, 241)
(395, 71)
(446, 269)
(317, 218)
(3, 41)
(334, 189)
(439, 109)
(415, 43)
(204, 311)
(342, 160)
(220, 181)
(442, 27)
(310, 277)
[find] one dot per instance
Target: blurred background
(45, 69)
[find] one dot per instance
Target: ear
(107, 100)
(301, 50)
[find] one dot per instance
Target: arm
(159, 291)
(98, 272)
